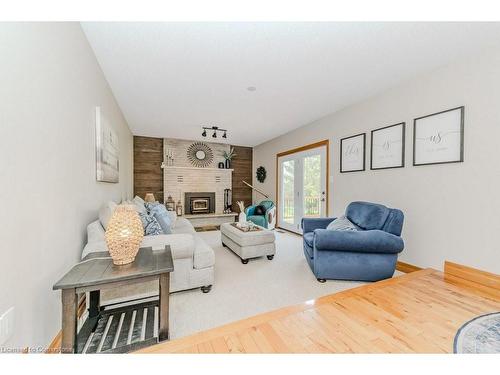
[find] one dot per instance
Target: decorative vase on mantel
(228, 163)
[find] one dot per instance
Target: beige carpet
(241, 291)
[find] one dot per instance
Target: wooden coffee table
(97, 272)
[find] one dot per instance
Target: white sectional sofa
(194, 260)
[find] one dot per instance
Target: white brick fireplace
(182, 177)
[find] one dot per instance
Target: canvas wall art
(107, 150)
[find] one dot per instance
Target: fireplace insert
(199, 203)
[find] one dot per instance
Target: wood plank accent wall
(148, 175)
(243, 170)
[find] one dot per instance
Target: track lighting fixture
(215, 130)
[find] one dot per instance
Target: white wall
(452, 211)
(50, 85)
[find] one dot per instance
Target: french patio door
(302, 181)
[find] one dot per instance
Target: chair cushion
(366, 215)
(309, 238)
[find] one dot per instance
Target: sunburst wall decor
(200, 155)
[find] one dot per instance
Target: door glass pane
(312, 186)
(288, 191)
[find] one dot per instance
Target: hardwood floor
(417, 312)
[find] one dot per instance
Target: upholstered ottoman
(250, 244)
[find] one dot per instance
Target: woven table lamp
(150, 198)
(124, 234)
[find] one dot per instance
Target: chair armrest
(368, 241)
(250, 210)
(308, 225)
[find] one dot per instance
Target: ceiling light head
(251, 88)
(214, 135)
(224, 135)
(204, 134)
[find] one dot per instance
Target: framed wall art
(353, 153)
(439, 138)
(388, 147)
(107, 150)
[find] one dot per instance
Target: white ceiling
(170, 79)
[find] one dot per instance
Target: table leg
(94, 303)
(163, 333)
(69, 309)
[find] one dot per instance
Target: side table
(106, 331)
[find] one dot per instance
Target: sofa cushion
(203, 256)
(95, 232)
(181, 245)
(105, 213)
(366, 215)
(342, 223)
(150, 225)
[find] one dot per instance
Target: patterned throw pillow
(150, 225)
(342, 223)
(151, 205)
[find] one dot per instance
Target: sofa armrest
(369, 241)
(308, 225)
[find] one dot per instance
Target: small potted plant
(228, 156)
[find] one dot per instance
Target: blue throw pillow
(163, 218)
(342, 223)
(150, 225)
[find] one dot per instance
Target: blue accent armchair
(268, 220)
(369, 254)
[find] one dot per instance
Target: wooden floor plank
(417, 312)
